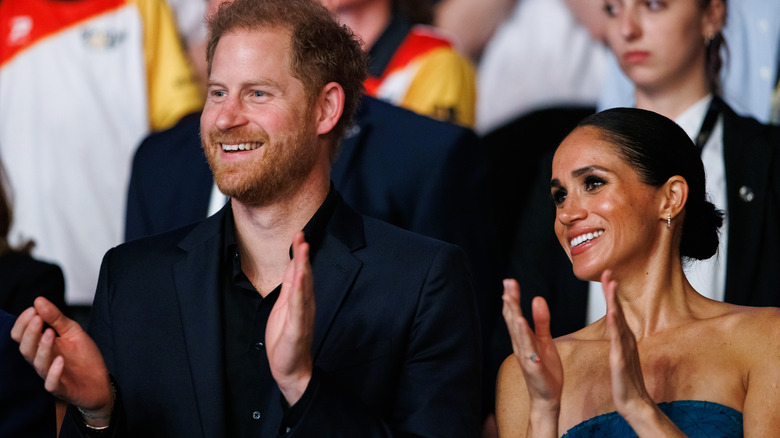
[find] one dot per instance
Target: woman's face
(660, 44)
(605, 216)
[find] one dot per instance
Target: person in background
(631, 208)
(23, 402)
(82, 82)
(543, 54)
(23, 278)
(751, 58)
(411, 63)
(286, 313)
(191, 24)
(26, 408)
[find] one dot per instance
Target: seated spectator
(411, 64)
(740, 156)
(26, 409)
(286, 313)
(751, 60)
(22, 278)
(628, 187)
(412, 171)
(82, 83)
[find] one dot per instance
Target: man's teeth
(240, 147)
(585, 237)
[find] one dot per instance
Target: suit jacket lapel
(747, 179)
(335, 269)
(196, 279)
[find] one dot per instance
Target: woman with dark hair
(631, 209)
(671, 52)
(23, 278)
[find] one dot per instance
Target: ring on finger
(534, 357)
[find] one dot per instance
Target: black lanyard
(709, 123)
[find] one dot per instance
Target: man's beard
(275, 172)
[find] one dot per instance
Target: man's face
(257, 126)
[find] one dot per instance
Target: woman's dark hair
(713, 60)
(6, 217)
(657, 149)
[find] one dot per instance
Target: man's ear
(674, 195)
(328, 107)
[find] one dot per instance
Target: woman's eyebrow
(583, 170)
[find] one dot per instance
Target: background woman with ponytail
(629, 192)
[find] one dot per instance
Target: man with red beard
(244, 325)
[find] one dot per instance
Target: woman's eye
(611, 7)
(654, 5)
(593, 183)
(558, 196)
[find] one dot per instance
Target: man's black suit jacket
(752, 159)
(396, 339)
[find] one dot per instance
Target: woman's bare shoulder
(756, 327)
(746, 321)
(583, 338)
(512, 402)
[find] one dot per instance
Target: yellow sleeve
(173, 92)
(444, 88)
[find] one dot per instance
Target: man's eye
(219, 94)
(593, 183)
(558, 196)
(258, 94)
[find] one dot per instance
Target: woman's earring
(668, 220)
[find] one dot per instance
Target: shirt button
(259, 346)
(287, 430)
(256, 415)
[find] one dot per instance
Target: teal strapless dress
(697, 419)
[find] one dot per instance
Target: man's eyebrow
(258, 83)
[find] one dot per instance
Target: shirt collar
(313, 232)
(691, 119)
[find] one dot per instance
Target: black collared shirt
(255, 407)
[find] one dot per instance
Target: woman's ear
(328, 107)
(674, 195)
(714, 18)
